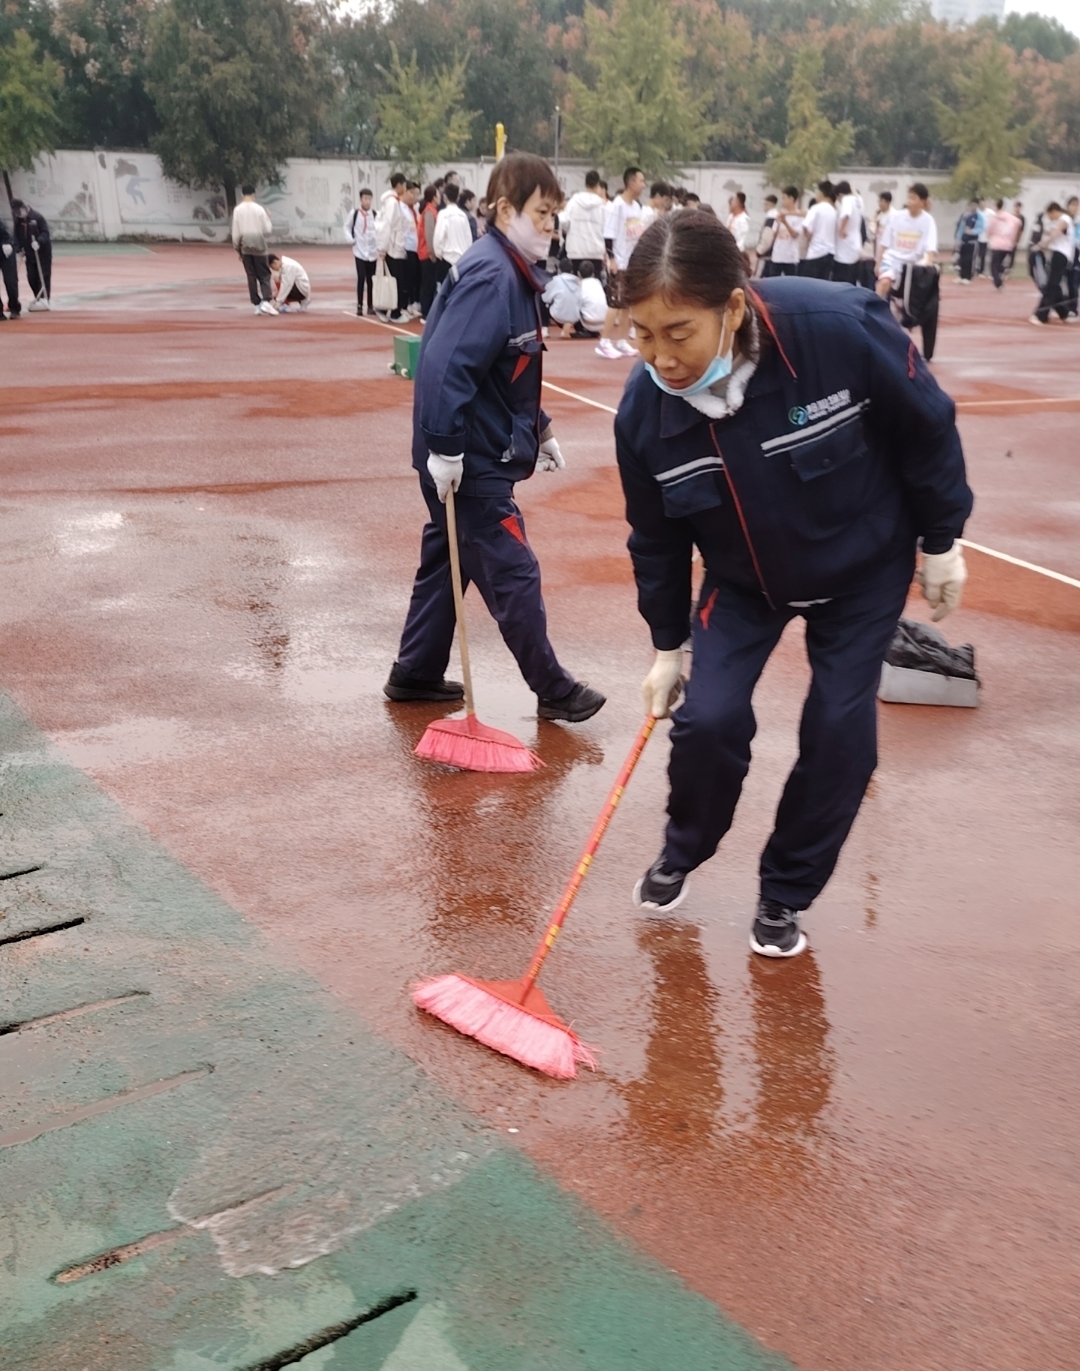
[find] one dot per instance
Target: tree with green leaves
(982, 128)
(421, 118)
(29, 84)
(235, 87)
(815, 145)
(634, 104)
(101, 47)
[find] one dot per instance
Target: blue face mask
(717, 370)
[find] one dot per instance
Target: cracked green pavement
(207, 1162)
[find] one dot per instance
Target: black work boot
(581, 703)
(776, 931)
(401, 686)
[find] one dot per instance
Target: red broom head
(504, 1015)
(472, 746)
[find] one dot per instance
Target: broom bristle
(473, 746)
(481, 1011)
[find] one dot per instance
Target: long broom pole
(547, 942)
(459, 600)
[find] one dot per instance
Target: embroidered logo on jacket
(801, 415)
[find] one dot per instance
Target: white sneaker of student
(38, 304)
(266, 308)
(606, 348)
(624, 349)
(283, 309)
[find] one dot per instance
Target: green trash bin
(406, 355)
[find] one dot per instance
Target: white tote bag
(384, 289)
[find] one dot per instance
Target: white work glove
(662, 687)
(942, 576)
(446, 472)
(7, 249)
(551, 458)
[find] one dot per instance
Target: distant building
(967, 11)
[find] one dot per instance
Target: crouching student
(290, 283)
(478, 428)
(562, 295)
(791, 433)
(593, 302)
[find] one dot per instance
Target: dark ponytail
(689, 256)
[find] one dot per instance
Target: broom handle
(574, 883)
(459, 599)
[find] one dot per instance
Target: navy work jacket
(34, 226)
(480, 369)
(845, 451)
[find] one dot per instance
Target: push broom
(513, 1017)
(467, 743)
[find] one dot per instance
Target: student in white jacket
(291, 284)
(251, 227)
(582, 225)
(453, 232)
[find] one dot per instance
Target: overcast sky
(1066, 11)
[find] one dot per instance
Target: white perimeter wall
(110, 195)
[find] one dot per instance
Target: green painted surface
(313, 1173)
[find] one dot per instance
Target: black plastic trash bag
(921, 647)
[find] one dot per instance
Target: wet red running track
(867, 1157)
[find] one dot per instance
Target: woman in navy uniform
(793, 434)
(478, 428)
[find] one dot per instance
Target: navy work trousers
(734, 634)
(495, 554)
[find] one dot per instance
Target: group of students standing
(416, 235)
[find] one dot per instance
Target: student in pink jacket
(1002, 235)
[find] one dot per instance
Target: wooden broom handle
(459, 598)
(574, 883)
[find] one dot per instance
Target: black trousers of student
(365, 275)
(9, 269)
(39, 270)
(495, 553)
(780, 268)
(925, 300)
(412, 279)
(980, 258)
(260, 287)
(998, 257)
(846, 271)
(1055, 292)
(429, 285)
(734, 634)
(295, 296)
(1074, 286)
(967, 260)
(818, 267)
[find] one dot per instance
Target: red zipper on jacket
(742, 518)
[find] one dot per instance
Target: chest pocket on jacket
(837, 479)
(691, 487)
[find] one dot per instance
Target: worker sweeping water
(793, 434)
(477, 429)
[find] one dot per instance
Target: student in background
(788, 240)
(562, 295)
(908, 274)
(660, 198)
(412, 247)
(819, 234)
(251, 227)
(766, 238)
(623, 227)
(361, 232)
(968, 228)
(390, 239)
(593, 301)
(1072, 209)
(1059, 246)
(453, 233)
(290, 282)
(427, 219)
(738, 221)
(849, 235)
(1001, 237)
(582, 223)
(1018, 210)
(467, 202)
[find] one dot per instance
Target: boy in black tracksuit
(35, 244)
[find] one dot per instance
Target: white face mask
(527, 238)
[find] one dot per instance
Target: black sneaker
(776, 931)
(580, 704)
(660, 888)
(401, 687)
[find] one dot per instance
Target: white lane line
(1035, 400)
(975, 547)
(382, 323)
(1019, 561)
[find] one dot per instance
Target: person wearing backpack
(360, 231)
